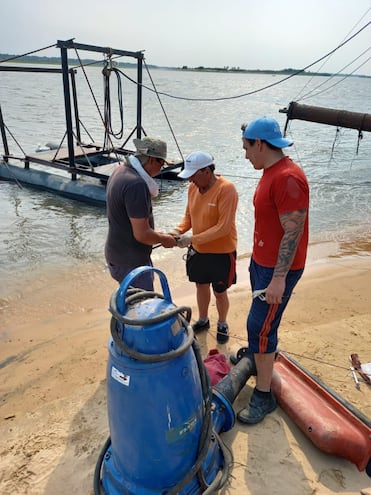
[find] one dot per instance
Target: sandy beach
(53, 357)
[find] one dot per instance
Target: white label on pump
(120, 377)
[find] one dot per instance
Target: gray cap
(151, 147)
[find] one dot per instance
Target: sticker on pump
(120, 377)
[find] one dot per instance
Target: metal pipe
(75, 105)
(226, 391)
(3, 135)
(67, 106)
(231, 385)
(329, 116)
(139, 97)
(99, 49)
(10, 68)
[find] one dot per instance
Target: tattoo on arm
(293, 226)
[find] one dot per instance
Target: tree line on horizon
(201, 68)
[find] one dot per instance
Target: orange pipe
(332, 424)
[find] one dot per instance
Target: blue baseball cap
(267, 130)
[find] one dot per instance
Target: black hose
(206, 427)
(150, 358)
(98, 488)
(136, 295)
(107, 103)
(207, 396)
(139, 295)
(183, 312)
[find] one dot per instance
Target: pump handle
(125, 284)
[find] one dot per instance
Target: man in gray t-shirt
(131, 233)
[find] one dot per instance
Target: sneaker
(199, 326)
(222, 333)
(257, 408)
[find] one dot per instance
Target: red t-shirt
(282, 188)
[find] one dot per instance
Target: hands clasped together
(182, 240)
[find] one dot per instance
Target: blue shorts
(144, 281)
(263, 319)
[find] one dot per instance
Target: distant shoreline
(29, 59)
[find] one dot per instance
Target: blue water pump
(164, 418)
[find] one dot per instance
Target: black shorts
(209, 268)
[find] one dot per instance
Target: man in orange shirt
(211, 257)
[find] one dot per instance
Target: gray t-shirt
(127, 197)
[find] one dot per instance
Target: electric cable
(165, 114)
(322, 65)
(293, 74)
(311, 93)
(15, 57)
(107, 103)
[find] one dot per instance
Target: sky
(249, 34)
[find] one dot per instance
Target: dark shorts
(144, 281)
(263, 319)
(219, 270)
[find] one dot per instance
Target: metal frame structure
(67, 160)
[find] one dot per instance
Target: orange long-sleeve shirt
(211, 216)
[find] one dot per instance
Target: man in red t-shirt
(281, 203)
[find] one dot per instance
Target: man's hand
(174, 232)
(184, 240)
(168, 241)
(275, 290)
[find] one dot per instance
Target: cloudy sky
(250, 34)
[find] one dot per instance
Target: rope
(5, 164)
(259, 89)
(25, 54)
(360, 135)
(163, 109)
(108, 140)
(89, 86)
(316, 360)
(320, 68)
(311, 93)
(15, 140)
(303, 356)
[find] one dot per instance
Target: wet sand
(53, 355)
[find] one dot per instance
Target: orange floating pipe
(331, 423)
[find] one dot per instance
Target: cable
(26, 54)
(97, 484)
(15, 140)
(163, 109)
(107, 104)
(308, 82)
(311, 94)
(259, 89)
(316, 360)
(108, 141)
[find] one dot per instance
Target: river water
(41, 231)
